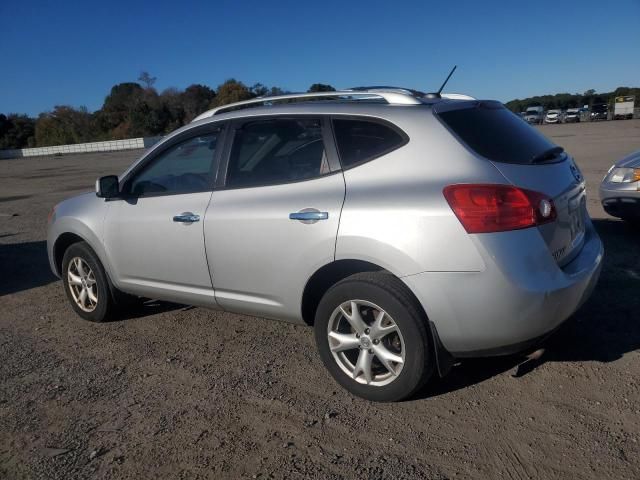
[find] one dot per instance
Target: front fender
(82, 216)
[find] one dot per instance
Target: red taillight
(497, 208)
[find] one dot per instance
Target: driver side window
(186, 167)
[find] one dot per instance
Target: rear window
(494, 132)
(360, 141)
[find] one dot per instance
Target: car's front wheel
(372, 337)
(86, 284)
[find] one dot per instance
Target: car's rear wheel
(372, 337)
(86, 284)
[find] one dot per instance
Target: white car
(552, 116)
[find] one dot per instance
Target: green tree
(147, 80)
(132, 111)
(171, 101)
(64, 125)
(195, 100)
(117, 105)
(321, 87)
(259, 90)
(16, 131)
(231, 91)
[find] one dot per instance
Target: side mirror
(107, 187)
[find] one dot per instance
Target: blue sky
(71, 53)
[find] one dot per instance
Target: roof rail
(406, 91)
(393, 96)
(457, 96)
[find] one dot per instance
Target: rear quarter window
(494, 132)
(362, 140)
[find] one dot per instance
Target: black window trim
(236, 124)
(364, 118)
(187, 134)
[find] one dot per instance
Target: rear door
(273, 220)
(527, 159)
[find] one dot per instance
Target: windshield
(494, 132)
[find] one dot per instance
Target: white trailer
(624, 107)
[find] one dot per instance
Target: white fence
(108, 146)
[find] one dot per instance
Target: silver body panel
(403, 222)
(82, 215)
(261, 260)
(153, 256)
(246, 255)
(563, 182)
(518, 297)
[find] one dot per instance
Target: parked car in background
(553, 116)
(600, 112)
(534, 115)
(408, 230)
(572, 115)
(623, 107)
(620, 189)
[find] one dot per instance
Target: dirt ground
(180, 392)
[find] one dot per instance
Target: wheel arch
(73, 231)
(329, 275)
(333, 272)
(61, 244)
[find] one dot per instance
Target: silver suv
(408, 230)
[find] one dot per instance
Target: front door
(154, 234)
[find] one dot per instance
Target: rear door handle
(309, 215)
(186, 217)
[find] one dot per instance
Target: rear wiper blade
(547, 154)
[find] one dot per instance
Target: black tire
(390, 294)
(105, 308)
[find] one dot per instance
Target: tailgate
(562, 182)
(528, 160)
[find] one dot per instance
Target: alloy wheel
(366, 342)
(82, 284)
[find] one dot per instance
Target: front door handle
(186, 217)
(309, 215)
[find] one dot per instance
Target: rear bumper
(521, 296)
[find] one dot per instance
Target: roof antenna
(437, 94)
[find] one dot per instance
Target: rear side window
(362, 140)
(277, 151)
(494, 132)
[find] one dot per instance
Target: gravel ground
(179, 392)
